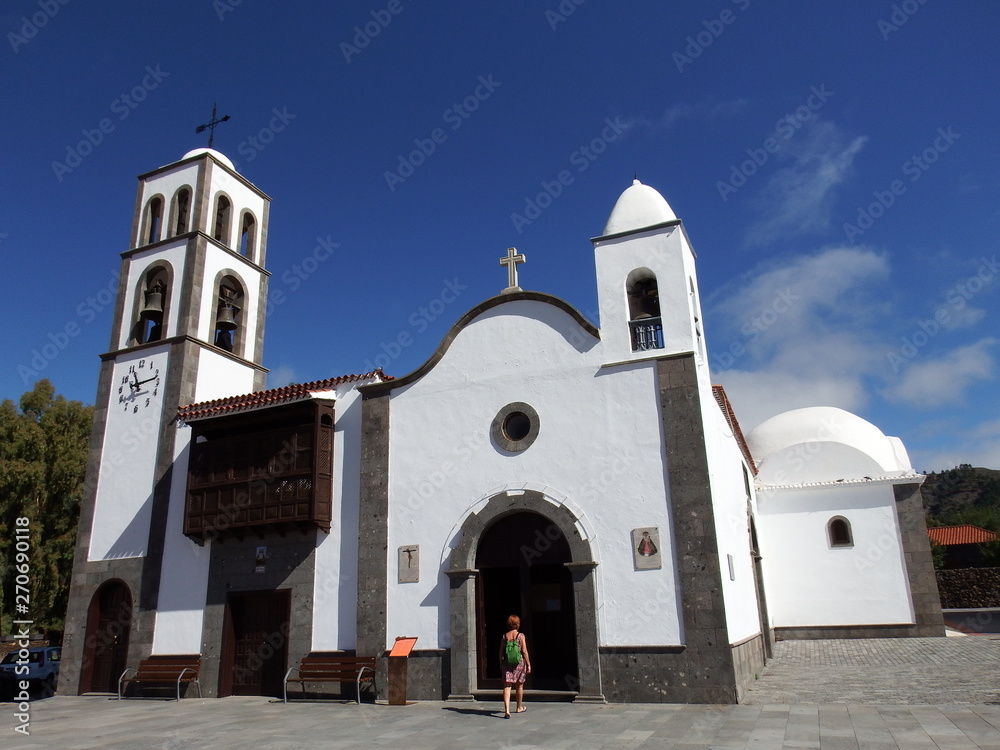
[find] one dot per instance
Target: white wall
(123, 504)
(184, 574)
(335, 596)
(810, 583)
(731, 525)
(442, 462)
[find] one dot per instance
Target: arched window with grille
(645, 325)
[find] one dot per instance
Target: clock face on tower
(140, 384)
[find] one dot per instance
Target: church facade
(592, 480)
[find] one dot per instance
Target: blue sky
(835, 165)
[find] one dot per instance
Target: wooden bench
(332, 667)
(164, 670)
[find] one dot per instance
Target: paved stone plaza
(905, 694)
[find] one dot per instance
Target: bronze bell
(226, 318)
(154, 304)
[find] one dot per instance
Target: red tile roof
(964, 534)
(727, 410)
(272, 397)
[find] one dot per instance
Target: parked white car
(43, 666)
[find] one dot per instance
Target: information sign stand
(398, 659)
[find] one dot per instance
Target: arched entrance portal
(559, 521)
(109, 620)
(521, 559)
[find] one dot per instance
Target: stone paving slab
(882, 671)
(835, 721)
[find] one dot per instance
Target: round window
(515, 427)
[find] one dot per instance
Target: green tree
(43, 456)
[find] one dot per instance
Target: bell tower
(647, 287)
(188, 327)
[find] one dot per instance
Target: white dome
(218, 156)
(824, 443)
(640, 206)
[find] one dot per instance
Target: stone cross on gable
(513, 259)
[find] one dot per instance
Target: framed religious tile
(409, 563)
(260, 560)
(646, 548)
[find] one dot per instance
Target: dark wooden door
(255, 644)
(521, 562)
(109, 621)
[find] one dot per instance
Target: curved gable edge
(376, 389)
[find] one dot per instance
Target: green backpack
(512, 651)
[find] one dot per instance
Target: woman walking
(515, 663)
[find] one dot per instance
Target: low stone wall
(969, 588)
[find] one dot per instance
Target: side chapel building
(591, 479)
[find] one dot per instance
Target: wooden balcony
(268, 471)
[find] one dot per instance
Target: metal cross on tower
(210, 126)
(513, 259)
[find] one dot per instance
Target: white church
(585, 475)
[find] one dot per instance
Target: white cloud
(942, 381)
(798, 333)
(798, 199)
(759, 395)
(707, 110)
